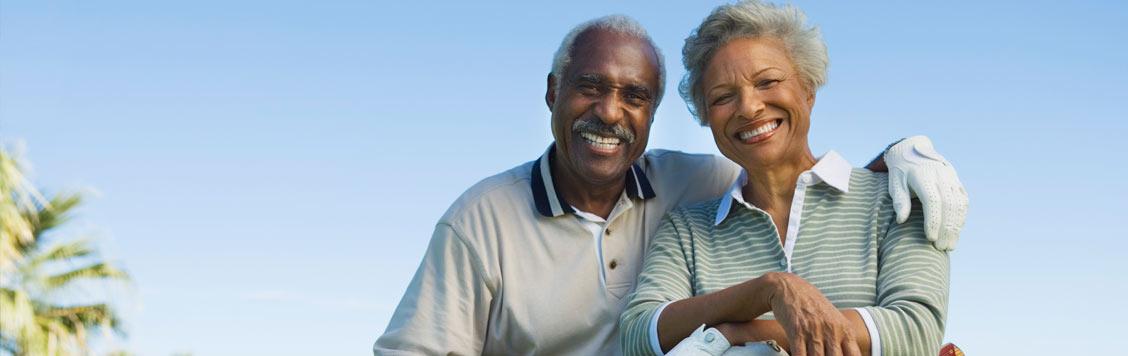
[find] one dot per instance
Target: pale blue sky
(271, 171)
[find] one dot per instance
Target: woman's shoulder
(869, 185)
(865, 179)
(704, 210)
(694, 216)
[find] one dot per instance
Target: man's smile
(602, 144)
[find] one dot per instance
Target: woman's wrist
(764, 291)
(743, 302)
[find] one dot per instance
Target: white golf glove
(916, 169)
(703, 342)
(710, 342)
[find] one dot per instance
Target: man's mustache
(598, 127)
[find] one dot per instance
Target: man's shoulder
(500, 191)
(664, 156)
(684, 178)
(663, 162)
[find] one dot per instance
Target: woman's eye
(767, 83)
(723, 99)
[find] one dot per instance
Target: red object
(951, 350)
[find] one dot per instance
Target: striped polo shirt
(845, 242)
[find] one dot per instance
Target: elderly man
(538, 259)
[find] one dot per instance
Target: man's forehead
(615, 55)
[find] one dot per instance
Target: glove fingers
(899, 191)
(931, 202)
(954, 218)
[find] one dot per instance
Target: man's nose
(609, 109)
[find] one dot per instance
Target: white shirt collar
(831, 168)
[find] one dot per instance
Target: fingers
(799, 347)
(832, 349)
(899, 191)
(850, 347)
(928, 193)
(954, 216)
(815, 347)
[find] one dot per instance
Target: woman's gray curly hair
(752, 19)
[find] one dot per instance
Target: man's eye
(636, 99)
(588, 89)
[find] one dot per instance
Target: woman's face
(756, 104)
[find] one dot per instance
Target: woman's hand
(813, 325)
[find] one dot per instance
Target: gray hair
(613, 23)
(752, 19)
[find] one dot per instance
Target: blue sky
(270, 172)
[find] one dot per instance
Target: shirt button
(607, 232)
(783, 264)
(709, 337)
(613, 264)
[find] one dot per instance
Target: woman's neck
(772, 187)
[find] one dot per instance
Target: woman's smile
(759, 131)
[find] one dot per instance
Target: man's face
(602, 112)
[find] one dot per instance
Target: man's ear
(550, 93)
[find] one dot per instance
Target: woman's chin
(763, 154)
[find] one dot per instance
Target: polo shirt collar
(831, 168)
(550, 203)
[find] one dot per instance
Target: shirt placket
(601, 231)
(795, 216)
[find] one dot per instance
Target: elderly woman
(804, 251)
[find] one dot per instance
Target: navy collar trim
(550, 203)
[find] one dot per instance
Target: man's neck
(592, 197)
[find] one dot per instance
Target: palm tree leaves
(17, 198)
(34, 273)
(99, 270)
(52, 214)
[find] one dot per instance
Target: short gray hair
(752, 19)
(613, 23)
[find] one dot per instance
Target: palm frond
(62, 252)
(86, 315)
(17, 195)
(18, 322)
(56, 212)
(100, 270)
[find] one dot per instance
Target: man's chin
(601, 174)
(601, 168)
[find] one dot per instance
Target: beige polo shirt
(514, 269)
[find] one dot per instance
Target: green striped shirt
(848, 245)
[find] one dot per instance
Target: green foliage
(36, 274)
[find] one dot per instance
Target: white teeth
(759, 130)
(601, 142)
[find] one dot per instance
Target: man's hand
(813, 325)
(916, 169)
